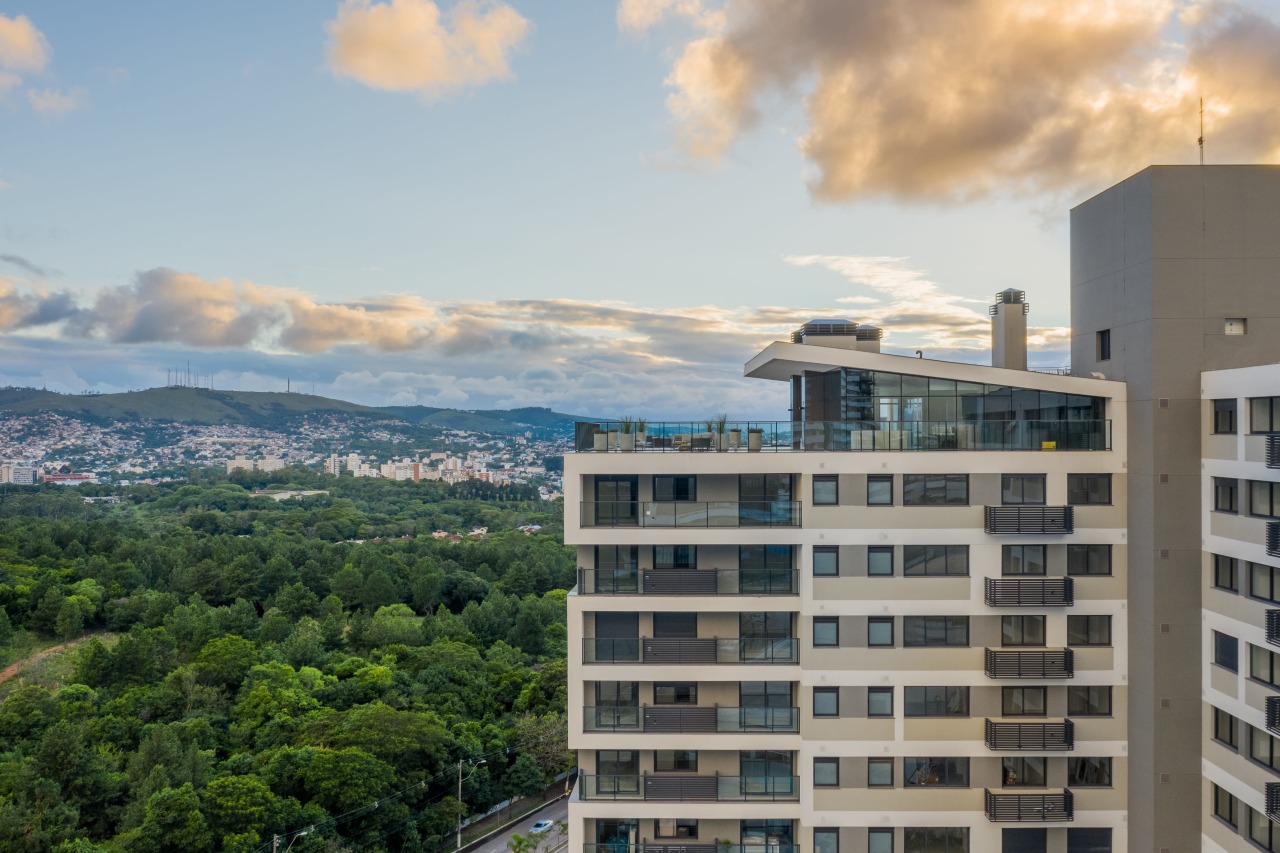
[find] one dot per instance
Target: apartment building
(891, 622)
(1240, 497)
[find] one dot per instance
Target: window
(935, 489)
(1023, 772)
(826, 772)
(1264, 414)
(1104, 345)
(826, 631)
(1264, 582)
(617, 762)
(826, 561)
(935, 630)
(935, 839)
(879, 701)
(1024, 840)
(879, 772)
(675, 827)
(1226, 651)
(879, 839)
(826, 701)
(1224, 417)
(1022, 559)
(1022, 630)
(826, 841)
(675, 761)
(1091, 840)
(1088, 559)
(1224, 805)
(765, 694)
(1017, 489)
(935, 701)
(940, 772)
(934, 560)
(677, 556)
(1084, 489)
(1226, 729)
(675, 626)
(675, 488)
(617, 569)
(1263, 666)
(765, 568)
(880, 631)
(826, 490)
(880, 490)
(880, 561)
(675, 693)
(1226, 494)
(1089, 701)
(1225, 570)
(1088, 630)
(1264, 499)
(1262, 749)
(1088, 772)
(1262, 831)
(1023, 701)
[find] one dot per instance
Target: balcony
(701, 650)
(1042, 663)
(1030, 592)
(1273, 715)
(1273, 626)
(696, 847)
(687, 789)
(689, 582)
(1030, 519)
(668, 514)
(1036, 737)
(840, 436)
(1273, 451)
(690, 720)
(1273, 538)
(1272, 800)
(1039, 808)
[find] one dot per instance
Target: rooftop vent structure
(839, 333)
(1009, 330)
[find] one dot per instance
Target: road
(559, 810)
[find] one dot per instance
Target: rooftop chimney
(838, 333)
(1009, 330)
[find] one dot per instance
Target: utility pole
(471, 761)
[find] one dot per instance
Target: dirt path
(14, 668)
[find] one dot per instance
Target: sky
(601, 207)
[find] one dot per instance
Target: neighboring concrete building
(1240, 498)
(267, 464)
(240, 463)
(332, 465)
(19, 474)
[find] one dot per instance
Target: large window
(923, 560)
(1024, 840)
(675, 761)
(826, 490)
(1226, 494)
(1022, 559)
(880, 840)
(1085, 772)
(1088, 559)
(826, 841)
(616, 568)
(1226, 651)
(1264, 414)
(1263, 831)
(1088, 630)
(880, 631)
(1226, 571)
(935, 489)
(1263, 665)
(1264, 499)
(1084, 489)
(1088, 701)
(1023, 771)
(940, 772)
(765, 694)
(1262, 749)
(1225, 806)
(879, 772)
(1023, 701)
(935, 630)
(826, 561)
(675, 827)
(826, 701)
(766, 499)
(1088, 840)
(935, 839)
(1020, 630)
(879, 701)
(936, 701)
(879, 560)
(880, 490)
(675, 693)
(1224, 416)
(826, 772)
(677, 556)
(683, 488)
(826, 631)
(1019, 489)
(1226, 729)
(1264, 582)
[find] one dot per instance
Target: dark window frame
(681, 692)
(1017, 634)
(1090, 771)
(1226, 495)
(687, 492)
(953, 630)
(833, 765)
(879, 621)
(680, 827)
(1089, 550)
(830, 840)
(1264, 415)
(830, 692)
(1225, 416)
(834, 622)
(1272, 573)
(1226, 651)
(832, 551)
(1226, 728)
(1226, 573)
(881, 762)
(923, 561)
(1088, 483)
(1007, 553)
(1013, 489)
(935, 704)
(936, 771)
(1081, 699)
(881, 550)
(1021, 771)
(1103, 340)
(1226, 807)
(880, 480)
(935, 490)
(880, 691)
(1022, 691)
(675, 761)
(1264, 499)
(1092, 621)
(832, 480)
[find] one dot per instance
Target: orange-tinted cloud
(413, 46)
(22, 47)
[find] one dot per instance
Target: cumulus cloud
(26, 309)
(56, 103)
(22, 46)
(919, 100)
(413, 46)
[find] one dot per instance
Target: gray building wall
(1162, 260)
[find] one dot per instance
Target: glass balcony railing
(674, 846)
(688, 582)
(690, 720)
(668, 514)
(700, 650)
(773, 436)
(689, 788)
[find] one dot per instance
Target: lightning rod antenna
(1200, 141)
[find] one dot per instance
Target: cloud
(412, 46)
(957, 100)
(25, 265)
(27, 310)
(56, 103)
(22, 47)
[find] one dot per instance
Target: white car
(541, 826)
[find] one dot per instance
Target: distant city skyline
(590, 206)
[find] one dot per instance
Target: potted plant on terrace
(641, 438)
(720, 437)
(600, 439)
(755, 439)
(627, 439)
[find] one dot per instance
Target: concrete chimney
(1009, 330)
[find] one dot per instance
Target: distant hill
(265, 409)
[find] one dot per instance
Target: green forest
(240, 668)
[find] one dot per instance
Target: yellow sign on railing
(1048, 445)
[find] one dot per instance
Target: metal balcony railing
(1273, 451)
(696, 847)
(1030, 519)
(1030, 592)
(1016, 808)
(1272, 800)
(667, 514)
(688, 582)
(1273, 626)
(1041, 663)
(701, 650)
(1273, 538)
(838, 436)
(1273, 715)
(691, 720)
(690, 788)
(1037, 737)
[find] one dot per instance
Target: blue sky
(586, 205)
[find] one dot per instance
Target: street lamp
(473, 762)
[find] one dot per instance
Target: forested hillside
(246, 667)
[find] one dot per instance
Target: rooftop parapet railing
(839, 436)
